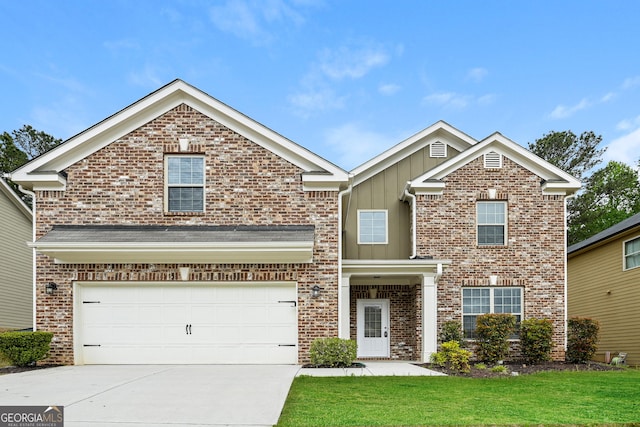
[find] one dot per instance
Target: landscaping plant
(492, 336)
(333, 352)
(25, 348)
(582, 339)
(452, 356)
(536, 340)
(451, 331)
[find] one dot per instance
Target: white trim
(177, 252)
(439, 131)
(386, 226)
(154, 105)
(556, 181)
(624, 254)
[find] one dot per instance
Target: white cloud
(353, 63)
(562, 111)
(449, 100)
(354, 144)
(625, 149)
(254, 19)
(316, 100)
(628, 124)
(631, 82)
(147, 77)
(477, 74)
(388, 89)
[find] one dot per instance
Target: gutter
(33, 249)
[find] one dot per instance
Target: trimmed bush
(333, 352)
(492, 332)
(451, 331)
(25, 348)
(582, 339)
(452, 356)
(536, 340)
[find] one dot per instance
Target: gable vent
(438, 149)
(492, 160)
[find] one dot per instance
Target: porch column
(344, 308)
(429, 317)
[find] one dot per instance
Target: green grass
(573, 398)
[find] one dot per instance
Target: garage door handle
(286, 345)
(295, 303)
(188, 329)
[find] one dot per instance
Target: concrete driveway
(152, 395)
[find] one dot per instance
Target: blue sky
(345, 79)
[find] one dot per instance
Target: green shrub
(452, 356)
(536, 340)
(582, 339)
(451, 331)
(492, 332)
(25, 348)
(333, 352)
(499, 369)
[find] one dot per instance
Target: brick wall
(246, 184)
(533, 257)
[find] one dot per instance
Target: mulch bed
(15, 369)
(519, 368)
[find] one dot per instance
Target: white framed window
(438, 149)
(372, 227)
(632, 253)
(184, 188)
(491, 223)
(477, 301)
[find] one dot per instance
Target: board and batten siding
(16, 267)
(600, 288)
(383, 191)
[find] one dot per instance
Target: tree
(11, 157)
(611, 194)
(574, 155)
(34, 143)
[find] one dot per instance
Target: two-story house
(180, 231)
(603, 277)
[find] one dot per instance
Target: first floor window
(185, 183)
(476, 301)
(372, 226)
(632, 253)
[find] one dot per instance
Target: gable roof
(45, 171)
(13, 198)
(554, 180)
(439, 131)
(614, 230)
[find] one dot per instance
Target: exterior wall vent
(492, 160)
(438, 149)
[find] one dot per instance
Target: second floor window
(185, 183)
(372, 227)
(492, 223)
(632, 253)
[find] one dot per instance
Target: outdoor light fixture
(315, 291)
(50, 287)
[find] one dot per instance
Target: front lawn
(542, 399)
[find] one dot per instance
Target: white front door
(373, 327)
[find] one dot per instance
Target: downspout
(341, 194)
(33, 251)
(566, 273)
(407, 195)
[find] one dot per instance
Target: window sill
(184, 213)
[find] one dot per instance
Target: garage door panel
(189, 324)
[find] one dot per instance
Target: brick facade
(246, 184)
(533, 257)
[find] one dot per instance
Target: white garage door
(151, 324)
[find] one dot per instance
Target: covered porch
(390, 307)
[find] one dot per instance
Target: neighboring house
(16, 262)
(180, 231)
(604, 274)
